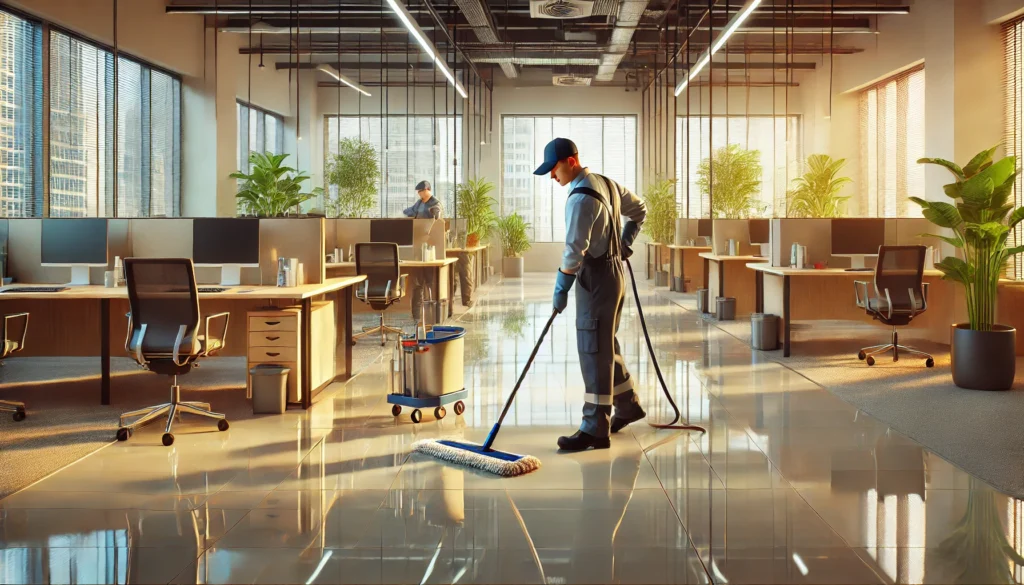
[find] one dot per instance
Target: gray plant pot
(983, 360)
(512, 267)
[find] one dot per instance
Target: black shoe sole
(595, 446)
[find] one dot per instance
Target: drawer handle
(272, 322)
(273, 353)
(272, 338)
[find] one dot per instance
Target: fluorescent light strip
(335, 74)
(417, 33)
(705, 59)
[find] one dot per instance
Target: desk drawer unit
(282, 321)
(275, 337)
(273, 355)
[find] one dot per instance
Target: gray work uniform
(418, 278)
(593, 250)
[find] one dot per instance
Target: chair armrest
(862, 302)
(178, 340)
(24, 328)
(402, 278)
(223, 333)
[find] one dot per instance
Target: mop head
(473, 455)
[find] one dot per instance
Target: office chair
(164, 336)
(383, 287)
(900, 295)
(12, 346)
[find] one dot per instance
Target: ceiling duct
(539, 60)
(479, 18)
(626, 20)
(570, 81)
(561, 9)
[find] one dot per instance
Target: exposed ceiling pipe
(626, 21)
(478, 15)
(601, 7)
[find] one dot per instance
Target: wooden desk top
(685, 247)
(718, 258)
(787, 271)
(232, 293)
(464, 250)
(402, 263)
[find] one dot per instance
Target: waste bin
(702, 300)
(269, 388)
(661, 278)
(726, 308)
(764, 331)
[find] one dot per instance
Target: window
(82, 118)
(417, 148)
(777, 138)
(607, 145)
(1013, 39)
(259, 131)
(21, 121)
(891, 142)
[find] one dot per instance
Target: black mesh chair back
(899, 277)
(378, 261)
(163, 297)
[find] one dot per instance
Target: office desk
(685, 262)
(480, 259)
(729, 276)
(66, 315)
(808, 294)
(440, 271)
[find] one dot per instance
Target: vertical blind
(891, 142)
(417, 148)
(607, 145)
(777, 138)
(258, 131)
(21, 121)
(1013, 42)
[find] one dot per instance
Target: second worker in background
(427, 207)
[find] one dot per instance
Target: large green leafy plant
(513, 231)
(660, 197)
(354, 171)
(476, 206)
(981, 217)
(732, 179)
(271, 189)
(816, 193)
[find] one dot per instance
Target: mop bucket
(436, 368)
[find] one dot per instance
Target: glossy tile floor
(789, 485)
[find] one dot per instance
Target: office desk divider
(347, 232)
(723, 230)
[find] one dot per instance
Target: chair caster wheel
(19, 415)
(168, 439)
(929, 363)
(417, 416)
(222, 425)
(861, 355)
(124, 433)
(871, 361)
(353, 342)
(440, 412)
(460, 407)
(396, 410)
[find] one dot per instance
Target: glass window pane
(21, 112)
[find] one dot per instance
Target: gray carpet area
(980, 432)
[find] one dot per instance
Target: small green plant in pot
(271, 189)
(660, 225)
(476, 206)
(980, 216)
(513, 231)
(354, 172)
(816, 193)
(732, 180)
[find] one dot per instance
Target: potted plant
(513, 230)
(271, 189)
(816, 193)
(476, 206)
(732, 180)
(980, 217)
(354, 172)
(660, 198)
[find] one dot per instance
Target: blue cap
(556, 150)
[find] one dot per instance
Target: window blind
(21, 109)
(258, 131)
(1013, 83)
(891, 141)
(165, 144)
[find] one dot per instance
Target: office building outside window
(258, 131)
(1013, 44)
(21, 110)
(607, 146)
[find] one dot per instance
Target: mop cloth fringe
(472, 455)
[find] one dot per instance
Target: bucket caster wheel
(124, 433)
(396, 410)
(929, 363)
(460, 407)
(167, 439)
(440, 412)
(417, 416)
(861, 355)
(222, 425)
(871, 361)
(19, 415)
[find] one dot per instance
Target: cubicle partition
(816, 235)
(723, 230)
(345, 233)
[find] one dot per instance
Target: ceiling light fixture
(705, 59)
(337, 75)
(414, 29)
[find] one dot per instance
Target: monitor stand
(765, 250)
(79, 275)
(857, 260)
(231, 275)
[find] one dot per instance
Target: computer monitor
(75, 242)
(227, 242)
(704, 228)
(857, 238)
(395, 231)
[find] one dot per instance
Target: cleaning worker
(594, 250)
(427, 207)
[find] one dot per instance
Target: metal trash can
(702, 300)
(269, 388)
(726, 308)
(660, 278)
(764, 331)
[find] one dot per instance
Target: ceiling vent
(570, 81)
(561, 8)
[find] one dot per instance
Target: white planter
(512, 267)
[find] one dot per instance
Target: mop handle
(526, 368)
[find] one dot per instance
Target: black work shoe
(620, 422)
(581, 441)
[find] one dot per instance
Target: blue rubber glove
(562, 285)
